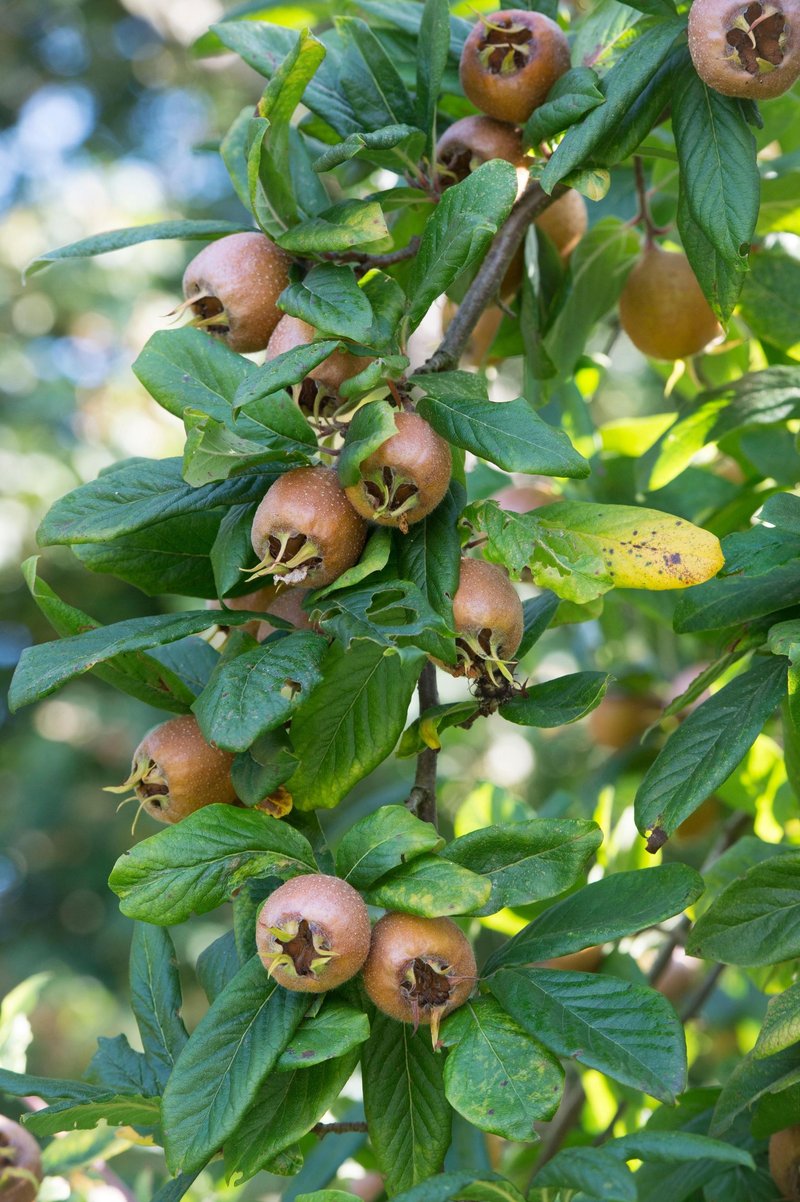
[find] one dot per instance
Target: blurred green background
(108, 121)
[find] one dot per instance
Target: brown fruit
(469, 143)
(305, 530)
(565, 222)
(232, 287)
(488, 618)
(622, 718)
(419, 969)
(332, 373)
(405, 478)
(175, 771)
(510, 61)
(784, 1161)
(313, 933)
(262, 600)
(748, 50)
(662, 308)
(477, 351)
(287, 604)
(20, 1163)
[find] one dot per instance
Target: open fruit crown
(365, 462)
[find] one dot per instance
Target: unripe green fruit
(662, 308)
(332, 373)
(20, 1163)
(405, 478)
(313, 933)
(746, 50)
(305, 531)
(175, 771)
(510, 61)
(419, 969)
(232, 287)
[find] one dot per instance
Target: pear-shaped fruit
(662, 308)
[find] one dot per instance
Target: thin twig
(486, 285)
(567, 1116)
(323, 1129)
(367, 260)
(422, 799)
(606, 1134)
(701, 995)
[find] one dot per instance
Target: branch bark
(323, 1129)
(422, 799)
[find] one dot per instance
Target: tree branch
(422, 799)
(567, 1116)
(486, 285)
(323, 1129)
(366, 260)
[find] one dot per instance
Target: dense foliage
(683, 520)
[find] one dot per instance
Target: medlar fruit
(565, 222)
(232, 287)
(313, 933)
(747, 50)
(784, 1161)
(305, 530)
(332, 373)
(662, 308)
(405, 478)
(20, 1163)
(419, 969)
(510, 61)
(175, 771)
(467, 144)
(263, 600)
(488, 618)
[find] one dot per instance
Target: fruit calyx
(305, 949)
(290, 555)
(149, 787)
(427, 987)
(505, 47)
(481, 657)
(391, 494)
(758, 38)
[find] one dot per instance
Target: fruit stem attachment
(644, 217)
(368, 261)
(422, 799)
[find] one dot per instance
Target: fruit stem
(422, 799)
(644, 216)
(368, 261)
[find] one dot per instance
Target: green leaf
(386, 838)
(156, 997)
(557, 702)
(139, 675)
(370, 79)
(434, 48)
(117, 1068)
(458, 234)
(781, 1026)
(136, 495)
(484, 1186)
(43, 669)
(769, 300)
(430, 554)
(592, 1171)
(374, 557)
(756, 920)
(431, 887)
(616, 905)
(751, 1080)
(170, 557)
(213, 452)
(349, 224)
(509, 434)
(375, 374)
(372, 425)
(217, 965)
(527, 861)
(125, 1111)
(198, 863)
(330, 299)
(706, 747)
(717, 155)
(496, 1076)
(185, 369)
(283, 371)
(352, 720)
(569, 100)
(286, 1107)
(51, 1089)
(232, 1050)
(368, 141)
(388, 301)
(602, 1022)
(232, 549)
(669, 1147)
(720, 280)
(391, 613)
(620, 87)
(101, 244)
(407, 1112)
(337, 1029)
(425, 731)
(248, 695)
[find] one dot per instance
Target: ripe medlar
(405, 478)
(747, 50)
(313, 933)
(469, 143)
(662, 308)
(20, 1163)
(565, 222)
(232, 287)
(489, 622)
(175, 771)
(622, 717)
(332, 373)
(262, 599)
(419, 969)
(784, 1161)
(510, 61)
(305, 531)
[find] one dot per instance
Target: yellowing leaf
(641, 548)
